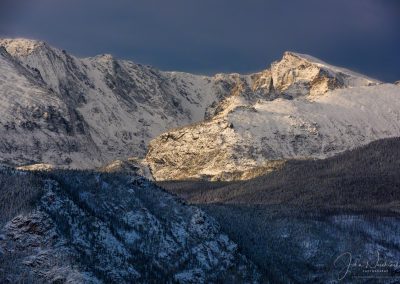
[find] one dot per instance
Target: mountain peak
(301, 74)
(105, 56)
(306, 57)
(21, 46)
(298, 59)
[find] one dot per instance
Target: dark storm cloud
(8, 10)
(217, 36)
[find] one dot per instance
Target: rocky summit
(310, 109)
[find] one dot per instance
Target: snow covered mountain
(63, 110)
(36, 123)
(310, 109)
(87, 227)
(129, 120)
(83, 113)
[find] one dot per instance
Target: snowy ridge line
(87, 112)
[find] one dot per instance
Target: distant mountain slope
(87, 227)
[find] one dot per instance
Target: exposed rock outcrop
(252, 136)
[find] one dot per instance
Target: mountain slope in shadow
(90, 227)
(314, 221)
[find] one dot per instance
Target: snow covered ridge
(83, 113)
(251, 137)
(88, 227)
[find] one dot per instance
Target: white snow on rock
(84, 113)
(253, 136)
(107, 108)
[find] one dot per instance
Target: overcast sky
(210, 36)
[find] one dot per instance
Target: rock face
(35, 121)
(107, 228)
(310, 110)
(300, 74)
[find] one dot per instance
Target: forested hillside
(295, 222)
